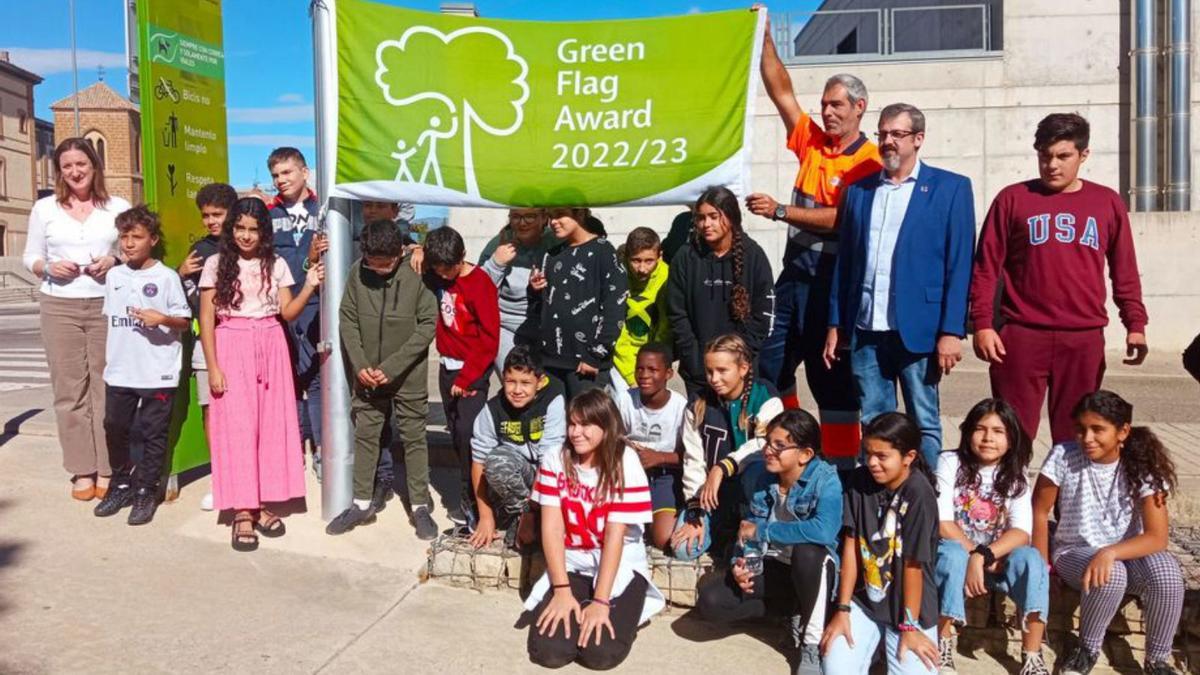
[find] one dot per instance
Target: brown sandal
(270, 525)
(244, 541)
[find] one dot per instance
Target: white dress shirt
(55, 235)
(875, 312)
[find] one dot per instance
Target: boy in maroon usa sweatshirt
(1048, 240)
(468, 335)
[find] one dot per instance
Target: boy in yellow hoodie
(646, 315)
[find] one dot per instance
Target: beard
(891, 161)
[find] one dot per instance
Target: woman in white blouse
(71, 246)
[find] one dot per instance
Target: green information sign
(462, 111)
(182, 79)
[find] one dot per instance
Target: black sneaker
(1080, 662)
(349, 519)
(457, 515)
(382, 495)
(145, 501)
(1160, 668)
(426, 528)
(118, 497)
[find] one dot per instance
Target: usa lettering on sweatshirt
(1050, 250)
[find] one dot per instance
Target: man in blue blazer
(900, 288)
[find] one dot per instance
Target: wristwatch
(780, 211)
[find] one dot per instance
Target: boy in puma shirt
(1048, 240)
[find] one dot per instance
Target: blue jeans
(866, 632)
(880, 362)
(1025, 579)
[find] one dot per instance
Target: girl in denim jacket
(792, 525)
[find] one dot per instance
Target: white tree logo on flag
(462, 106)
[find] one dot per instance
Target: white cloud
(273, 140)
(694, 10)
(272, 115)
(290, 98)
(53, 61)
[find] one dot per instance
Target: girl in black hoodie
(720, 283)
(581, 290)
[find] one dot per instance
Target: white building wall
(981, 113)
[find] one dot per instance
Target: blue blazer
(931, 273)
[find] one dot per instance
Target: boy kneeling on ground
(513, 431)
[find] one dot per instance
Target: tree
(474, 71)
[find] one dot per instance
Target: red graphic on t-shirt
(583, 519)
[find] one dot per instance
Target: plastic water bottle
(752, 554)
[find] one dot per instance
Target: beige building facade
(18, 182)
(43, 157)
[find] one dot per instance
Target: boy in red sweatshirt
(1048, 240)
(468, 335)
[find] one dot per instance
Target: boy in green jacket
(646, 314)
(388, 319)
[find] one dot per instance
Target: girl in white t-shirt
(1111, 488)
(984, 505)
(595, 500)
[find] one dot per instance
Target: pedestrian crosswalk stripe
(18, 386)
(22, 364)
(26, 374)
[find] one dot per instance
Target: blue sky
(268, 56)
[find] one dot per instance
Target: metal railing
(929, 31)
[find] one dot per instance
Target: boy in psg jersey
(1048, 240)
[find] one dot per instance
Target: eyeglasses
(778, 449)
(526, 218)
(899, 134)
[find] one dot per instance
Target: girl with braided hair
(722, 429)
(720, 283)
(1110, 487)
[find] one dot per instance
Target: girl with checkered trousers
(1111, 486)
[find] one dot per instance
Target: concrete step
(17, 294)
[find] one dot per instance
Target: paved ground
(77, 592)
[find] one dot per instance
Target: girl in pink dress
(253, 428)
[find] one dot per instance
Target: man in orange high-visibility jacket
(830, 159)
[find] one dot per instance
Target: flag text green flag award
(462, 111)
(181, 66)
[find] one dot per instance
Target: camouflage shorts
(510, 478)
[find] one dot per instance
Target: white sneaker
(206, 503)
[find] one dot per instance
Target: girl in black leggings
(792, 529)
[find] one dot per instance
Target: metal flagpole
(74, 67)
(337, 459)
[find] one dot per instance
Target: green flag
(461, 111)
(181, 69)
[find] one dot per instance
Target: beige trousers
(74, 331)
